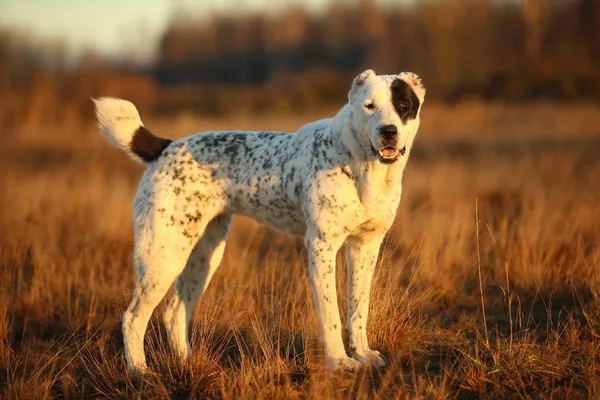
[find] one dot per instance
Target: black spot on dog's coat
(405, 100)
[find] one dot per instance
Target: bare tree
(532, 12)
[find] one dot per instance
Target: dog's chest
(373, 218)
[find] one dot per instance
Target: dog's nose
(388, 132)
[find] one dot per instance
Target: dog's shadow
(239, 346)
(237, 349)
(242, 348)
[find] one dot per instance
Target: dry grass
(66, 272)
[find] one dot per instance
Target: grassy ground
(486, 285)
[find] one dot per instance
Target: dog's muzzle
(388, 140)
(388, 154)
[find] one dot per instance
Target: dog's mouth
(390, 154)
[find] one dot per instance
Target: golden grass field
(500, 201)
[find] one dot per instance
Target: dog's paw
(342, 364)
(369, 357)
(138, 372)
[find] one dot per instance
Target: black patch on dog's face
(147, 146)
(405, 100)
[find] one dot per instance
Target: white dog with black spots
(335, 182)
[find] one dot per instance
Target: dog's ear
(359, 81)
(415, 82)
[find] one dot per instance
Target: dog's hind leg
(160, 256)
(191, 284)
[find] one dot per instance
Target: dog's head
(385, 110)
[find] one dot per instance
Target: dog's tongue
(388, 152)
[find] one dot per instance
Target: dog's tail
(120, 123)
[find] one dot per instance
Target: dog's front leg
(362, 253)
(322, 276)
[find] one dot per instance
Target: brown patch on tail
(147, 146)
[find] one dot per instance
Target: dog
(336, 181)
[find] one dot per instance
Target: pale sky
(115, 26)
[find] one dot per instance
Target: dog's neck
(376, 182)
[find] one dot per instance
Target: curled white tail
(120, 123)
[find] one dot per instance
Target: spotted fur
(336, 182)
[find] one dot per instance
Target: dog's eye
(404, 104)
(370, 106)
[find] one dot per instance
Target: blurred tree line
(294, 60)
